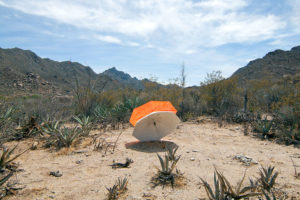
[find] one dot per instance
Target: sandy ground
(206, 144)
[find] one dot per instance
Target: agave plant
(66, 136)
(6, 116)
(268, 197)
(165, 174)
(263, 126)
(122, 184)
(267, 178)
(6, 159)
(218, 194)
(102, 113)
(86, 124)
(117, 189)
(51, 127)
(224, 190)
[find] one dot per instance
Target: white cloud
(133, 44)
(108, 38)
(179, 25)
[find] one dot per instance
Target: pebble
(56, 174)
(34, 146)
(192, 159)
(79, 161)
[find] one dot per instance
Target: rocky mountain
(24, 71)
(123, 78)
(272, 66)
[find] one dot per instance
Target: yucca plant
(6, 158)
(86, 124)
(267, 178)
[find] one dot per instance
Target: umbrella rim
(155, 112)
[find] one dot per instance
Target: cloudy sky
(152, 38)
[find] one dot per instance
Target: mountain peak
(272, 66)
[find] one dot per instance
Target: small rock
(246, 160)
(51, 197)
(56, 174)
(187, 152)
(195, 151)
(34, 146)
(192, 159)
(79, 161)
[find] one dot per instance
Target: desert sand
(87, 173)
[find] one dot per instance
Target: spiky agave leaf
(162, 163)
(267, 178)
(208, 189)
(112, 192)
(122, 184)
(4, 179)
(5, 157)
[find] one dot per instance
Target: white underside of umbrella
(155, 126)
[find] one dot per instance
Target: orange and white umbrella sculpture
(154, 120)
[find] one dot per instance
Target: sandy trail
(208, 144)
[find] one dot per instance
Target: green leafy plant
(267, 178)
(86, 124)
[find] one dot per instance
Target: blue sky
(151, 38)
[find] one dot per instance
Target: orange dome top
(150, 107)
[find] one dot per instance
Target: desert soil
(87, 173)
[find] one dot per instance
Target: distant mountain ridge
(274, 65)
(23, 70)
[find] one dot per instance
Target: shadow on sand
(151, 146)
